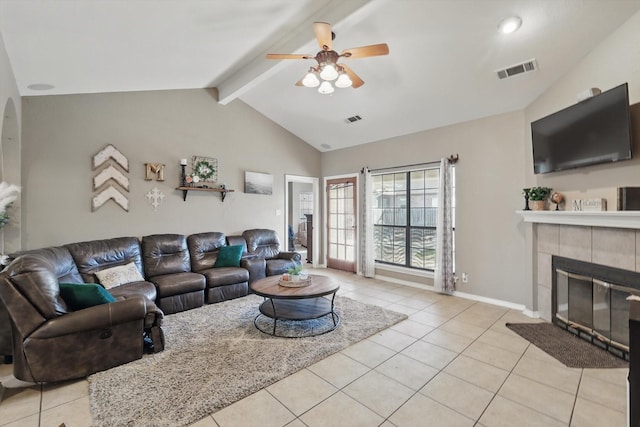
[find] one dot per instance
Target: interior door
(341, 224)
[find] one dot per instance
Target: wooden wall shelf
(223, 191)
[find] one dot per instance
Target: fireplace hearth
(590, 300)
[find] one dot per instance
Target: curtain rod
(452, 159)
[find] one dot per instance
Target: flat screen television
(596, 130)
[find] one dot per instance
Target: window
(404, 217)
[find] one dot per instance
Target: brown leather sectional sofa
(51, 342)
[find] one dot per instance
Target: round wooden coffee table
(301, 303)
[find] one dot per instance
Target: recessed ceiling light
(40, 86)
(510, 24)
(325, 146)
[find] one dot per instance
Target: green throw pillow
(83, 295)
(229, 256)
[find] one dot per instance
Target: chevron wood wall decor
(107, 194)
(111, 174)
(110, 152)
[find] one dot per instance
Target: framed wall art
(258, 183)
(204, 169)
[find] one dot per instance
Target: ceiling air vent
(523, 67)
(352, 119)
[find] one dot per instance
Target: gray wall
(10, 146)
(493, 245)
(489, 178)
(61, 134)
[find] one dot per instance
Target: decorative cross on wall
(155, 197)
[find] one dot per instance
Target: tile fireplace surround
(606, 238)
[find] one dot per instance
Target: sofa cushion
(119, 275)
(61, 260)
(229, 256)
(132, 290)
(204, 248)
(83, 295)
(165, 254)
(262, 242)
(35, 278)
(179, 283)
(97, 255)
(225, 276)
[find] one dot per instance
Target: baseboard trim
(404, 282)
(494, 301)
(501, 303)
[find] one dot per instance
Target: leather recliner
(51, 342)
(265, 243)
(167, 264)
(223, 283)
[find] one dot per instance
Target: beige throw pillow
(116, 276)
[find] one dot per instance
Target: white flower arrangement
(8, 195)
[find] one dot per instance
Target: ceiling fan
(328, 70)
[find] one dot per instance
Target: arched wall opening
(10, 235)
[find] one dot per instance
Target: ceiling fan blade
(288, 56)
(323, 34)
(299, 82)
(365, 51)
(356, 81)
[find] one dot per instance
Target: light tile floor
(452, 363)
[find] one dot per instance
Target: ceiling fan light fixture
(343, 81)
(311, 80)
(510, 25)
(326, 88)
(329, 72)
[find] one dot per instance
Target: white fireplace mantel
(614, 219)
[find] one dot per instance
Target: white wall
(61, 134)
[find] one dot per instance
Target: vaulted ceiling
(441, 68)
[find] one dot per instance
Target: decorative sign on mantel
(590, 205)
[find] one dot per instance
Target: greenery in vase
(295, 270)
(537, 193)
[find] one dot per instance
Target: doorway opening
(301, 215)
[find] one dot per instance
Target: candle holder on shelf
(183, 175)
(525, 193)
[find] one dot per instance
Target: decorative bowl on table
(294, 280)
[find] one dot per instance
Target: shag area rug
(214, 356)
(574, 352)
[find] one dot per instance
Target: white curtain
(443, 279)
(367, 258)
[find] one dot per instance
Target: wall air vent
(514, 70)
(352, 119)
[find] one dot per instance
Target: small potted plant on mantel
(538, 197)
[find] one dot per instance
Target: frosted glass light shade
(326, 88)
(343, 81)
(510, 24)
(310, 80)
(329, 73)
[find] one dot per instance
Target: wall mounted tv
(596, 130)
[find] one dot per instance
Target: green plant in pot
(538, 197)
(294, 273)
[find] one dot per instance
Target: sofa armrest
(101, 316)
(256, 266)
(293, 256)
